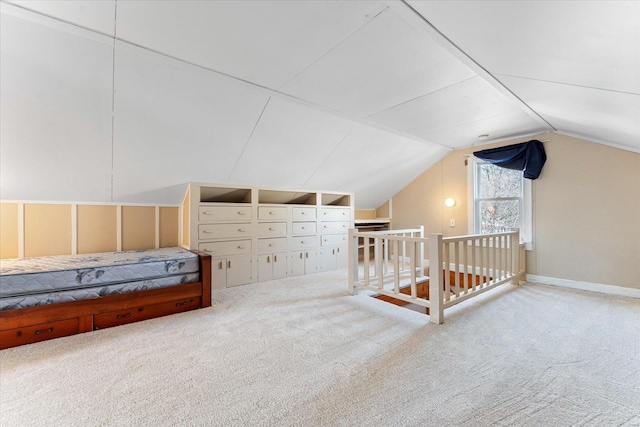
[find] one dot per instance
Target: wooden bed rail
(34, 324)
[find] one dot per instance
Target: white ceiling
(126, 101)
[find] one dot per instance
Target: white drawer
(223, 231)
(335, 227)
(226, 248)
(224, 213)
(304, 242)
(335, 214)
(298, 214)
(272, 229)
(334, 239)
(303, 228)
(272, 245)
(266, 212)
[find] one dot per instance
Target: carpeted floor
(300, 351)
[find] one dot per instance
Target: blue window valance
(528, 157)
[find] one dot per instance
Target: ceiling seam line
(357, 30)
(54, 18)
(420, 96)
(321, 108)
(473, 121)
(568, 84)
(495, 80)
(113, 93)
(282, 94)
(329, 155)
(248, 140)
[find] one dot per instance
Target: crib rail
(398, 263)
(459, 267)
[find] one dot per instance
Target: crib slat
(498, 257)
(396, 268)
(378, 261)
(366, 256)
(495, 261)
(474, 275)
(412, 255)
(404, 252)
(447, 273)
(465, 266)
(456, 260)
(386, 257)
(483, 274)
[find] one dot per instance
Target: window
(502, 200)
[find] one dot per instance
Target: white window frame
(526, 205)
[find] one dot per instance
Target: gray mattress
(27, 282)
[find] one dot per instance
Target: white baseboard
(584, 286)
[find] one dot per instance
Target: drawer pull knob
(44, 331)
(302, 213)
(207, 231)
(206, 250)
(271, 229)
(271, 213)
(241, 213)
(241, 230)
(207, 213)
(270, 244)
(240, 246)
(180, 304)
(122, 316)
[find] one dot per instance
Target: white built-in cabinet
(259, 234)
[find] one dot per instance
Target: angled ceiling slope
(576, 63)
(358, 96)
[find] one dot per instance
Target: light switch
(452, 222)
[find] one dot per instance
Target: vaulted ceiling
(126, 101)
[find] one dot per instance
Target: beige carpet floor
(301, 352)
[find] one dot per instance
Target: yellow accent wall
(168, 227)
(586, 209)
(47, 230)
(138, 227)
(97, 229)
(8, 230)
(41, 229)
(365, 213)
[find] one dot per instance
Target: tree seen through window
(498, 199)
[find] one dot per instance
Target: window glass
(498, 199)
(497, 216)
(499, 182)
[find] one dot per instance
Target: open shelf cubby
(286, 197)
(335, 200)
(225, 195)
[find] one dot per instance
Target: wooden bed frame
(40, 323)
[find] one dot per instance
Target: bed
(49, 297)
